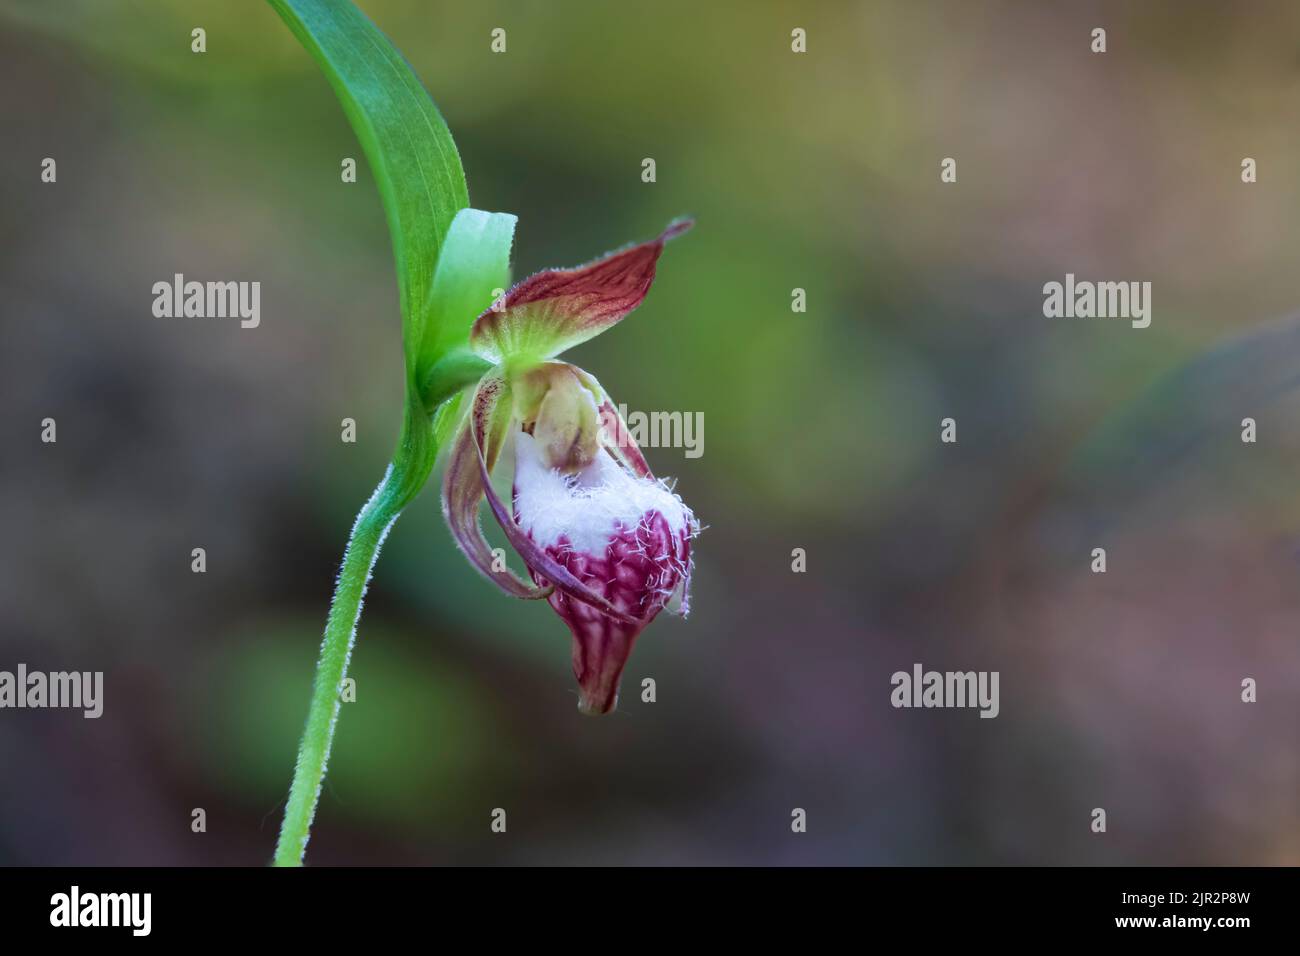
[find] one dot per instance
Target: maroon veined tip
(638, 569)
(599, 671)
(556, 309)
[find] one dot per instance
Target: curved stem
(417, 450)
(368, 534)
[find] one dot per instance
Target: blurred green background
(816, 171)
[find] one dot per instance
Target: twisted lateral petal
(542, 563)
(556, 309)
(462, 487)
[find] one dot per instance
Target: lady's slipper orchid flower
(606, 543)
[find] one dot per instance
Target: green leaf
(410, 150)
(475, 264)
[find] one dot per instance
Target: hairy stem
(417, 450)
(368, 534)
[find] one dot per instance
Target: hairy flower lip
(626, 535)
(535, 557)
(468, 482)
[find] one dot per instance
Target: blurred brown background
(817, 171)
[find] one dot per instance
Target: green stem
(372, 524)
(407, 474)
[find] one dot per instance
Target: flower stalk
(372, 526)
(412, 464)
